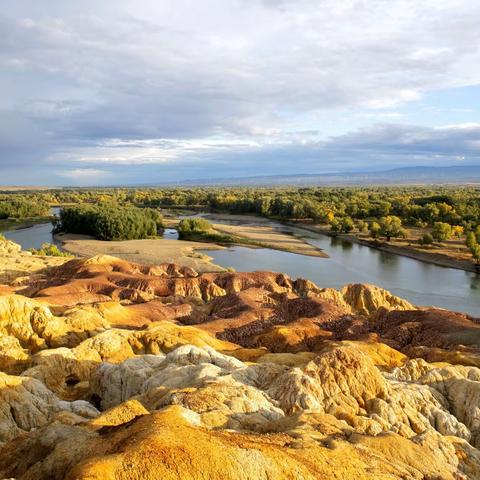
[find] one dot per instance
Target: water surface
(419, 282)
(34, 236)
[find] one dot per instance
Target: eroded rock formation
(113, 370)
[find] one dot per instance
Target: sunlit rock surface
(113, 370)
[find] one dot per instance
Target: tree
(335, 226)
(457, 231)
(109, 221)
(471, 240)
(473, 246)
(346, 225)
(476, 253)
(391, 226)
(441, 231)
(374, 229)
(193, 225)
(342, 225)
(362, 226)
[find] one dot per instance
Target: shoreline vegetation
(263, 235)
(244, 228)
(20, 224)
(434, 224)
(410, 251)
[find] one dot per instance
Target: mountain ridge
(410, 175)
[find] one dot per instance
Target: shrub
(427, 239)
(193, 225)
(49, 250)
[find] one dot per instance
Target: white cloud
(84, 174)
(213, 77)
(377, 147)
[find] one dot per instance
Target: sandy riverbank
(261, 231)
(144, 251)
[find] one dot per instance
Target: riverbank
(20, 224)
(258, 232)
(151, 251)
(401, 247)
(450, 254)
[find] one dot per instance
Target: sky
(118, 92)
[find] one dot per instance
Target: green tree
(109, 221)
(441, 231)
(476, 253)
(341, 225)
(335, 226)
(346, 225)
(362, 226)
(391, 226)
(375, 229)
(471, 240)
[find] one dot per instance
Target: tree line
(21, 208)
(380, 212)
(415, 206)
(109, 222)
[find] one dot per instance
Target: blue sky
(123, 92)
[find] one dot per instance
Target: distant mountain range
(406, 175)
(420, 175)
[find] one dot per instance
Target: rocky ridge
(114, 370)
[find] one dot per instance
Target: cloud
(378, 147)
(92, 176)
(211, 80)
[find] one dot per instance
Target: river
(34, 236)
(419, 282)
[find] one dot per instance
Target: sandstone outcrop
(9, 248)
(18, 267)
(114, 370)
